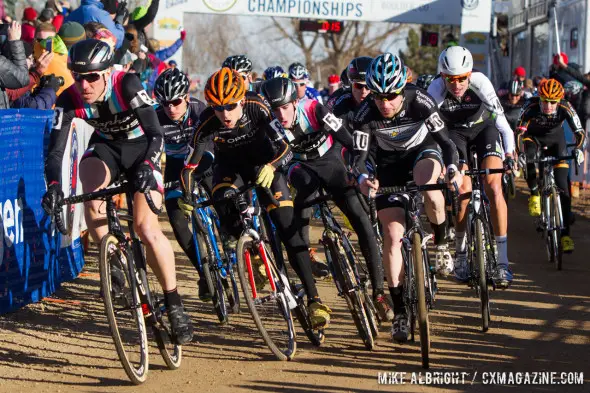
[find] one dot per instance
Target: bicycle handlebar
(480, 172)
(240, 191)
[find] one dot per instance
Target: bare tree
(290, 31)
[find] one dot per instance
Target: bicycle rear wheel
(557, 225)
(351, 291)
(269, 308)
(482, 282)
(123, 308)
(422, 308)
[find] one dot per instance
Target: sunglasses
(300, 84)
(360, 86)
(387, 97)
(90, 77)
(228, 107)
(548, 100)
(175, 102)
(453, 79)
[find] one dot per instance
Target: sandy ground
(542, 323)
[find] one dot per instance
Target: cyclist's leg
(427, 170)
(226, 180)
(98, 167)
(307, 185)
(556, 146)
(530, 150)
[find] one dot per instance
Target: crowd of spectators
(34, 50)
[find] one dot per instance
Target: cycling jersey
(407, 130)
(315, 130)
(478, 104)
(312, 94)
(512, 111)
(126, 113)
(257, 139)
(535, 123)
(342, 104)
(178, 134)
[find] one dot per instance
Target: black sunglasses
(175, 102)
(228, 107)
(360, 86)
(90, 78)
(387, 97)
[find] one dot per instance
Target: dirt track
(542, 323)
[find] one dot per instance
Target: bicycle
(344, 265)
(550, 223)
(480, 241)
(131, 300)
(270, 306)
(419, 279)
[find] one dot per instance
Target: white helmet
(455, 60)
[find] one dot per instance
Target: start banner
(34, 260)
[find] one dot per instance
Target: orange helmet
(225, 87)
(551, 89)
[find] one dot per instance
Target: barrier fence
(34, 260)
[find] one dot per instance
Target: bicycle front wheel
(482, 281)
(123, 308)
(557, 222)
(420, 275)
(269, 307)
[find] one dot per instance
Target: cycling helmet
(551, 89)
(344, 78)
(386, 74)
(224, 87)
(90, 56)
(455, 60)
(274, 72)
(357, 69)
(239, 63)
(424, 81)
(279, 91)
(515, 87)
(298, 71)
(573, 88)
(170, 85)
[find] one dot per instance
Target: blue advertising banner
(33, 262)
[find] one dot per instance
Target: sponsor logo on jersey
(424, 99)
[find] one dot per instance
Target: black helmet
(424, 81)
(239, 63)
(357, 69)
(344, 78)
(515, 87)
(170, 85)
(279, 91)
(89, 56)
(298, 71)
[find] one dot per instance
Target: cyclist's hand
(509, 162)
(266, 175)
(52, 198)
(186, 206)
(148, 178)
(579, 156)
(369, 187)
(457, 178)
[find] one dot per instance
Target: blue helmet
(386, 74)
(298, 71)
(274, 72)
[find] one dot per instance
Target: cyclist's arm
(333, 125)
(58, 139)
(361, 138)
(575, 124)
(485, 91)
(142, 106)
(201, 140)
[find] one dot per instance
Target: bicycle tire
(284, 352)
(558, 224)
(351, 292)
(422, 307)
(137, 371)
(316, 337)
(216, 289)
(482, 281)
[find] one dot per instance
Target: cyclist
(300, 77)
(405, 123)
(316, 136)
(243, 65)
(250, 147)
(274, 72)
(344, 102)
(513, 102)
(424, 81)
(474, 116)
(541, 126)
(128, 140)
(178, 114)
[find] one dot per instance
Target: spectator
(43, 97)
(94, 11)
(520, 74)
(172, 64)
(28, 26)
(45, 30)
(36, 69)
(333, 84)
(557, 70)
(100, 32)
(59, 64)
(13, 64)
(50, 15)
(141, 18)
(529, 89)
(583, 97)
(71, 32)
